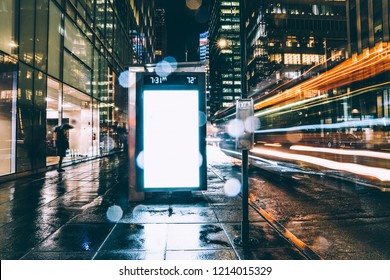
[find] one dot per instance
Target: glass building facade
(285, 39)
(225, 59)
(59, 63)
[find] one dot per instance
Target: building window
(309, 59)
(277, 57)
(77, 43)
(8, 41)
(54, 52)
(77, 111)
(292, 58)
(76, 73)
(8, 93)
(53, 111)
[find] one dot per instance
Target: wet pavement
(84, 214)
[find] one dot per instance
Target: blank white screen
(171, 139)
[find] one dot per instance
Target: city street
(337, 219)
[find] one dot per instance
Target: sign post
(243, 109)
(245, 114)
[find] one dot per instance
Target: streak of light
(273, 144)
(309, 103)
(341, 152)
(351, 70)
(361, 123)
(283, 108)
(381, 174)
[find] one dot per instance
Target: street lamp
(222, 43)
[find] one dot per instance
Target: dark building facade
(224, 45)
(368, 24)
(59, 63)
(286, 38)
(160, 34)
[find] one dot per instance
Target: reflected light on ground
(379, 173)
(215, 155)
(342, 152)
(273, 145)
(321, 244)
(139, 209)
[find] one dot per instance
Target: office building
(286, 38)
(224, 44)
(59, 63)
(160, 34)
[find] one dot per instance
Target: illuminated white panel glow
(171, 139)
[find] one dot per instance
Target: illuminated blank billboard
(170, 151)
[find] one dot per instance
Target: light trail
(342, 152)
(352, 70)
(381, 174)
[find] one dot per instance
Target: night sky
(184, 26)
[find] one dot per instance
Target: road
(337, 219)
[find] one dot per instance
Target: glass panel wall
(8, 37)
(57, 65)
(95, 128)
(26, 33)
(77, 111)
(8, 76)
(38, 153)
(54, 57)
(25, 137)
(77, 43)
(52, 118)
(76, 74)
(41, 28)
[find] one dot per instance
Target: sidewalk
(84, 214)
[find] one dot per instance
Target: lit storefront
(59, 63)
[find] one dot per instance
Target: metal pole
(245, 196)
(244, 153)
(244, 241)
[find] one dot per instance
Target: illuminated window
(277, 57)
(310, 44)
(227, 104)
(292, 75)
(312, 59)
(292, 58)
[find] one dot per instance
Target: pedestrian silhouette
(62, 143)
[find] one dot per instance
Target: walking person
(62, 143)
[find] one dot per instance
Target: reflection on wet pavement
(84, 213)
